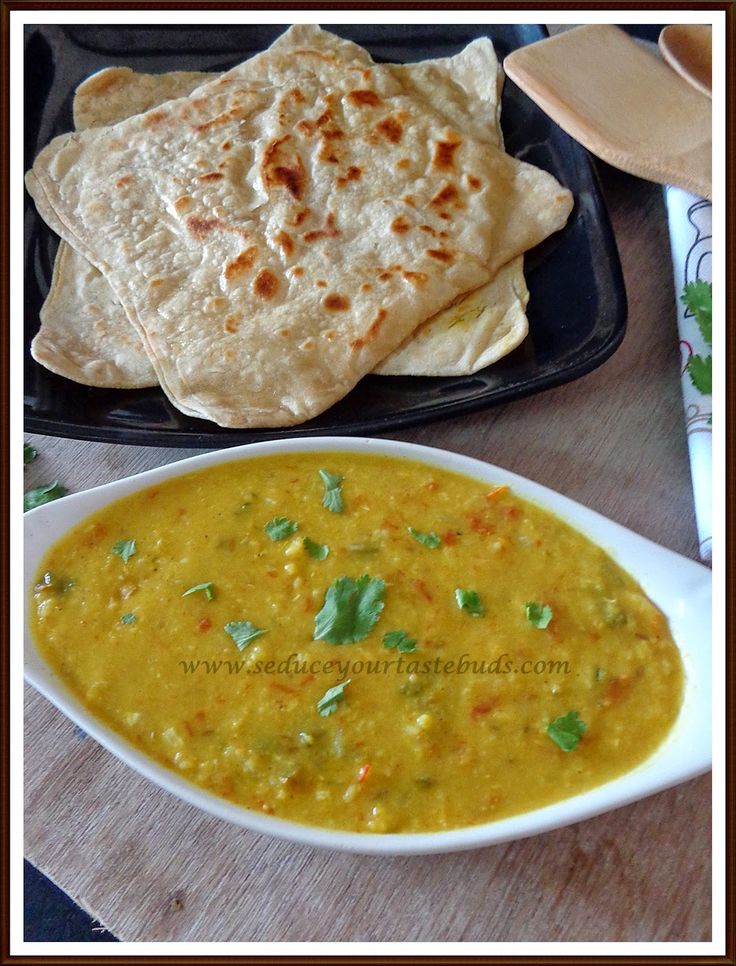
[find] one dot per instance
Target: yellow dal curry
(400, 650)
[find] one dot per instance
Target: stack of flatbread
(255, 242)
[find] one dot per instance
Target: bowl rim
(679, 758)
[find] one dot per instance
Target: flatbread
(85, 334)
(175, 250)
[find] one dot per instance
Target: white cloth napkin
(690, 238)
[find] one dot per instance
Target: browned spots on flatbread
(182, 204)
(403, 163)
(217, 121)
(231, 324)
(400, 225)
(474, 182)
(391, 129)
(285, 333)
(334, 302)
(122, 182)
(155, 282)
(296, 95)
(321, 283)
(241, 263)
(154, 119)
(428, 229)
(445, 216)
(416, 279)
(365, 72)
(226, 145)
(366, 287)
(297, 271)
(216, 303)
(281, 167)
(265, 284)
(301, 216)
(200, 228)
(440, 255)
(448, 195)
(384, 276)
(410, 200)
(211, 176)
(373, 330)
(329, 231)
(326, 153)
(285, 240)
(444, 154)
(362, 97)
(353, 173)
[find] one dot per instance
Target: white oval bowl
(680, 587)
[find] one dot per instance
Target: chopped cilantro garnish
(316, 550)
(43, 494)
(128, 619)
(430, 540)
(350, 610)
(329, 701)
(208, 587)
(280, 528)
(468, 600)
(399, 640)
(332, 499)
(538, 615)
(125, 549)
(567, 730)
(243, 632)
(29, 454)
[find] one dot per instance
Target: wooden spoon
(688, 49)
(620, 101)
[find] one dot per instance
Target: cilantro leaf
(208, 587)
(125, 549)
(318, 551)
(243, 632)
(43, 494)
(468, 600)
(329, 701)
(567, 730)
(698, 299)
(128, 619)
(430, 540)
(700, 371)
(332, 499)
(538, 615)
(350, 610)
(280, 528)
(29, 454)
(401, 641)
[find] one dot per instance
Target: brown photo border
(8, 6)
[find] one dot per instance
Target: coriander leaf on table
(329, 701)
(700, 371)
(243, 632)
(698, 298)
(125, 549)
(332, 499)
(350, 610)
(280, 528)
(29, 453)
(43, 494)
(567, 730)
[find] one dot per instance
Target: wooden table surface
(152, 868)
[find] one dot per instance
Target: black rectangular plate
(577, 306)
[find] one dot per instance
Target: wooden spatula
(623, 103)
